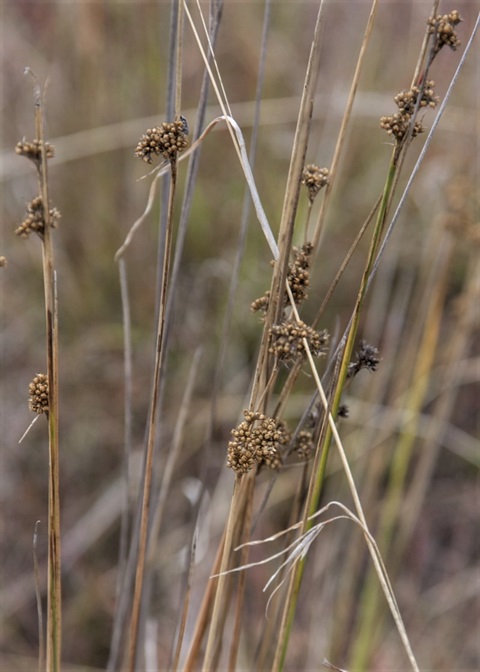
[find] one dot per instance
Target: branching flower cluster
(298, 278)
(257, 440)
(287, 340)
(35, 219)
(167, 140)
(32, 149)
(443, 27)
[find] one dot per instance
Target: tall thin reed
(41, 220)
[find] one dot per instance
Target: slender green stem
(324, 445)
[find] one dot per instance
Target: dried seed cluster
(304, 446)
(261, 303)
(298, 277)
(32, 149)
(366, 358)
(398, 125)
(38, 391)
(3, 261)
(286, 340)
(443, 27)
(258, 439)
(167, 140)
(35, 219)
(406, 100)
(314, 178)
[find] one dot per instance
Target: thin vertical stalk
(318, 475)
(152, 430)
(343, 128)
(215, 629)
(54, 607)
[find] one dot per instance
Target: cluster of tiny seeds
(286, 340)
(444, 29)
(398, 125)
(366, 358)
(343, 411)
(304, 445)
(261, 303)
(38, 391)
(258, 439)
(314, 178)
(406, 100)
(32, 149)
(35, 219)
(166, 140)
(298, 275)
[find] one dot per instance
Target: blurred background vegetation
(105, 66)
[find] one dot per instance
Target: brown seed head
(38, 391)
(167, 140)
(314, 178)
(443, 27)
(35, 219)
(32, 149)
(287, 340)
(258, 439)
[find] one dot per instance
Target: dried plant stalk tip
(167, 140)
(32, 149)
(3, 262)
(38, 391)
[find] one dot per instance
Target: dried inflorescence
(298, 275)
(32, 149)
(366, 358)
(258, 439)
(287, 340)
(407, 100)
(314, 178)
(38, 391)
(298, 278)
(35, 219)
(399, 123)
(304, 445)
(167, 140)
(261, 303)
(443, 27)
(3, 261)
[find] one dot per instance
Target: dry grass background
(106, 66)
